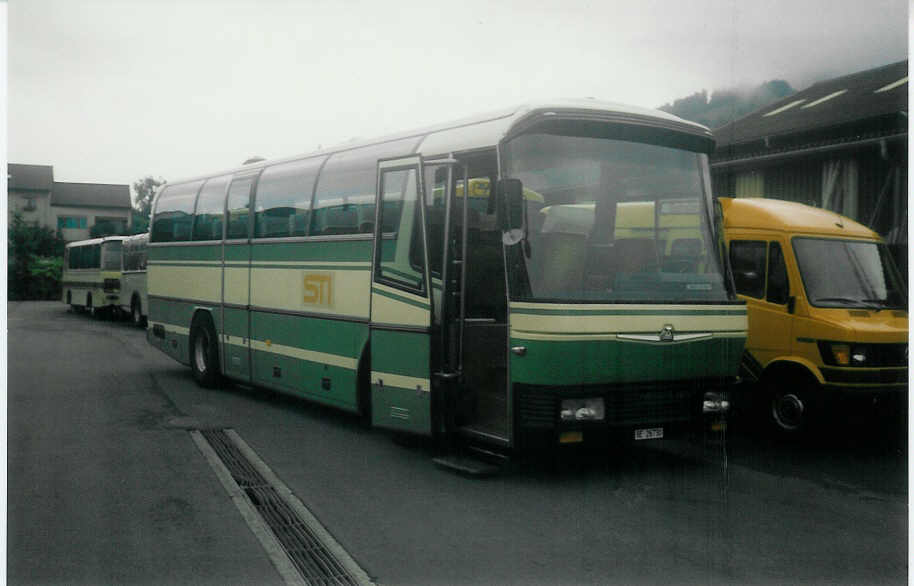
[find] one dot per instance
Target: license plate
(649, 433)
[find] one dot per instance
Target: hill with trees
(724, 106)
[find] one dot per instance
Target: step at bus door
(400, 302)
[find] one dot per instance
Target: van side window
(778, 286)
(747, 258)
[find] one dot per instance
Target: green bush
(35, 261)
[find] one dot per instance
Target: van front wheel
(789, 407)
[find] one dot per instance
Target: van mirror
(510, 209)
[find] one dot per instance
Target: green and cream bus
(361, 277)
(91, 278)
(133, 299)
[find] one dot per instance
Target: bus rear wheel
(204, 352)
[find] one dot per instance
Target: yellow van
(827, 309)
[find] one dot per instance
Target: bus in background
(133, 300)
(828, 319)
(361, 277)
(91, 278)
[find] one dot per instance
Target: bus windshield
(111, 255)
(848, 273)
(619, 221)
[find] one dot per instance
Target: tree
(35, 259)
(145, 189)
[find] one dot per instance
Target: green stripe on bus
(311, 267)
(613, 361)
(322, 251)
(399, 298)
(627, 312)
(305, 379)
(309, 333)
(404, 353)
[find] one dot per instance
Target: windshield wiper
(848, 301)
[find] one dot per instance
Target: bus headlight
(715, 403)
(582, 410)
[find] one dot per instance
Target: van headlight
(844, 354)
(582, 409)
(715, 403)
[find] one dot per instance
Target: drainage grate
(305, 549)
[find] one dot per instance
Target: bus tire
(204, 352)
(363, 388)
(136, 312)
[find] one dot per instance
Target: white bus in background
(133, 299)
(91, 278)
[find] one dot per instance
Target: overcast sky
(110, 91)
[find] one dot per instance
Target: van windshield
(610, 220)
(849, 273)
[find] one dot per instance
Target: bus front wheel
(204, 352)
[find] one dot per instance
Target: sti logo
(318, 289)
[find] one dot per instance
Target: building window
(115, 225)
(71, 222)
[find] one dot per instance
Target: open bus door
(400, 302)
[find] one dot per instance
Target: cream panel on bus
(201, 283)
(337, 292)
(392, 306)
(687, 321)
(236, 285)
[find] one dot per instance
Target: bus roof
(94, 241)
(488, 129)
(787, 216)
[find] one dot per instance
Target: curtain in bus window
(344, 200)
(283, 200)
(209, 213)
(401, 261)
(174, 213)
(239, 205)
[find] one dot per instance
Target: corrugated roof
(90, 195)
(832, 103)
(29, 177)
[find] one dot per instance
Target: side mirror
(791, 304)
(511, 209)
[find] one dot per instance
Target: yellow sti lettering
(319, 289)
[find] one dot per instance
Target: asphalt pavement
(107, 487)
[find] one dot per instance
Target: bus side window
(747, 258)
(209, 213)
(778, 284)
(347, 183)
(174, 212)
(283, 199)
(238, 204)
